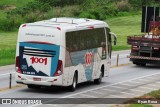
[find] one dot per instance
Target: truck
(145, 48)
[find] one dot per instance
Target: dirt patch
(7, 7)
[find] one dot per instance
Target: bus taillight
(59, 70)
(18, 65)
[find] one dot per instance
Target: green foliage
(70, 11)
(123, 27)
(17, 3)
(7, 47)
(136, 4)
(123, 6)
(155, 94)
(140, 105)
(45, 9)
(7, 56)
(31, 12)
(100, 13)
(50, 2)
(61, 3)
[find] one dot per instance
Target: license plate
(37, 79)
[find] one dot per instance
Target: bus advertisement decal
(38, 59)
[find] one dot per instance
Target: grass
(7, 48)
(155, 94)
(140, 105)
(17, 3)
(123, 27)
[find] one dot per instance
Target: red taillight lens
(24, 25)
(18, 65)
(59, 70)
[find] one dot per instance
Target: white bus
(62, 52)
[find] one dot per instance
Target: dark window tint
(85, 39)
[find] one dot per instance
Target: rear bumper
(45, 81)
(141, 59)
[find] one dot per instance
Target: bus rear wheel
(98, 81)
(74, 83)
(34, 86)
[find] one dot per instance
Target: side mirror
(114, 36)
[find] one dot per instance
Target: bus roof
(69, 23)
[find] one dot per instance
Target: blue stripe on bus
(54, 60)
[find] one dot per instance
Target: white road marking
(158, 82)
(136, 82)
(137, 90)
(7, 74)
(127, 93)
(152, 85)
(151, 78)
(127, 84)
(86, 95)
(96, 92)
(106, 86)
(107, 89)
(53, 105)
(144, 80)
(110, 85)
(116, 96)
(118, 87)
(148, 88)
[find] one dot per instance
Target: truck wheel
(143, 64)
(74, 84)
(136, 63)
(34, 86)
(98, 81)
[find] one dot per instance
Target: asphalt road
(129, 79)
(117, 75)
(5, 71)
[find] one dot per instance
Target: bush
(110, 10)
(87, 15)
(123, 5)
(10, 24)
(70, 11)
(5, 25)
(30, 7)
(99, 12)
(34, 16)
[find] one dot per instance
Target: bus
(62, 52)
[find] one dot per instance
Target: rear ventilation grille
(38, 52)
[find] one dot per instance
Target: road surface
(123, 82)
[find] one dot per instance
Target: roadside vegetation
(152, 95)
(140, 105)
(123, 17)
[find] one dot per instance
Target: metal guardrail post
(117, 60)
(10, 80)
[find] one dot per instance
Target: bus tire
(34, 86)
(74, 83)
(98, 81)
